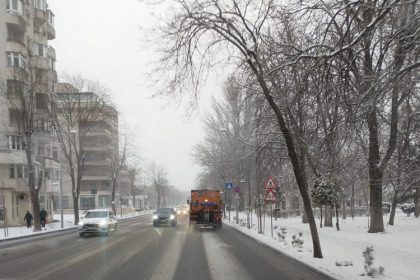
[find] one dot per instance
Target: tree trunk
(320, 212)
(375, 207)
(344, 209)
(328, 216)
(304, 217)
(375, 175)
(337, 224)
(417, 203)
(393, 208)
(36, 209)
(352, 200)
(114, 207)
(114, 186)
(76, 206)
(34, 190)
(297, 169)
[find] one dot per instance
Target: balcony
(50, 31)
(40, 62)
(96, 178)
(104, 162)
(51, 52)
(16, 19)
(13, 157)
(17, 47)
(40, 16)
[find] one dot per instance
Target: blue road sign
(229, 186)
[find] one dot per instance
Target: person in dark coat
(28, 218)
(43, 215)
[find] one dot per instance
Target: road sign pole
(271, 220)
(224, 206)
(237, 206)
(229, 205)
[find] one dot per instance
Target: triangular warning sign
(270, 184)
(270, 196)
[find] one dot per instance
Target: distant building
(97, 138)
(25, 30)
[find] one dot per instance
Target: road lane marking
(56, 267)
(222, 263)
(166, 269)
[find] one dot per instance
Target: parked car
(164, 216)
(98, 221)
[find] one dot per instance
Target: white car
(100, 221)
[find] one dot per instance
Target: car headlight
(103, 222)
(172, 217)
(80, 223)
(185, 212)
(155, 217)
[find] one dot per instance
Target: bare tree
(26, 94)
(75, 106)
(200, 28)
(159, 180)
(118, 159)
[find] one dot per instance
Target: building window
(41, 101)
(41, 5)
(14, 117)
(12, 171)
(50, 16)
(14, 6)
(41, 149)
(40, 49)
(15, 142)
(65, 202)
(56, 175)
(55, 153)
(14, 88)
(18, 171)
(51, 62)
(44, 125)
(15, 59)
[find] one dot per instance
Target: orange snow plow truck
(206, 209)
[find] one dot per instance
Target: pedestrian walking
(28, 218)
(43, 215)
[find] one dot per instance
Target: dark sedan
(164, 216)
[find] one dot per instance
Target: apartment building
(97, 142)
(26, 27)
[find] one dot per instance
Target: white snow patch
(397, 249)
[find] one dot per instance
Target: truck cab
(205, 209)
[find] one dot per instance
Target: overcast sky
(102, 40)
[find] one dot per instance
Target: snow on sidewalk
(397, 249)
(13, 232)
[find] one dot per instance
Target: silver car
(98, 221)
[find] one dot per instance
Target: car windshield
(165, 211)
(96, 214)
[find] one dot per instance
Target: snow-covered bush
(408, 208)
(326, 191)
(282, 234)
(297, 241)
(370, 270)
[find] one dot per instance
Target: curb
(57, 231)
(38, 234)
(328, 276)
